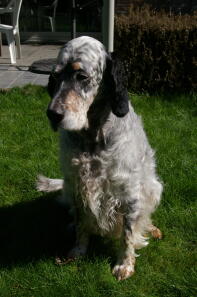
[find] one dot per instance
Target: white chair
(12, 31)
(48, 12)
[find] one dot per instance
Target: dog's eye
(82, 76)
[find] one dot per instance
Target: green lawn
(33, 226)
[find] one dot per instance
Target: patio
(33, 25)
(19, 74)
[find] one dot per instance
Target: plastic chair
(8, 8)
(12, 31)
(48, 12)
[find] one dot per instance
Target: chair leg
(0, 44)
(18, 45)
(52, 23)
(11, 45)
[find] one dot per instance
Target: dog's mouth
(55, 118)
(54, 126)
(68, 120)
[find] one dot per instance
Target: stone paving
(19, 75)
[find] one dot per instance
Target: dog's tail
(45, 184)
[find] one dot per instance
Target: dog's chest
(93, 189)
(75, 146)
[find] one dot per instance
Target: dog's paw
(62, 261)
(156, 233)
(123, 271)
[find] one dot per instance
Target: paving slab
(7, 78)
(30, 53)
(19, 74)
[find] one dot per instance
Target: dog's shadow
(31, 230)
(38, 229)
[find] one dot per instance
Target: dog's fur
(110, 182)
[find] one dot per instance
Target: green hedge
(158, 50)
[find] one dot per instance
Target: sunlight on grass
(33, 226)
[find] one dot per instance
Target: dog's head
(74, 83)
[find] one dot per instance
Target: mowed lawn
(34, 227)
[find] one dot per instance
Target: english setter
(110, 183)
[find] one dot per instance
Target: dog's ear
(54, 79)
(51, 84)
(116, 80)
(54, 75)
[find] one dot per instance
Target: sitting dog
(109, 182)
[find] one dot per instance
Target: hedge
(158, 50)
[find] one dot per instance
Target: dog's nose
(55, 117)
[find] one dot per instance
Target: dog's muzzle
(55, 118)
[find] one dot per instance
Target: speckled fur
(108, 164)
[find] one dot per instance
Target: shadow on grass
(39, 229)
(35, 229)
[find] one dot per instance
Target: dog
(110, 182)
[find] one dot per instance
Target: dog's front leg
(82, 240)
(124, 267)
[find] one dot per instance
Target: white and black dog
(110, 182)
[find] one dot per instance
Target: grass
(33, 226)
